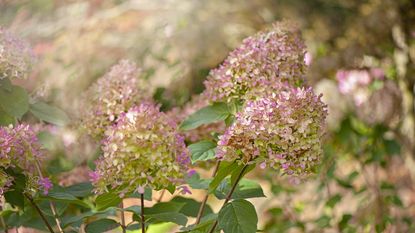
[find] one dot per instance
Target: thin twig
(143, 225)
(51, 204)
(161, 196)
(123, 226)
(228, 197)
(203, 205)
(39, 212)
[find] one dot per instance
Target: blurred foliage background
(366, 180)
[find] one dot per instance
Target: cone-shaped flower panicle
(202, 132)
(20, 147)
(282, 130)
(274, 55)
(143, 149)
(111, 95)
(16, 56)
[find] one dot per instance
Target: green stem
(203, 205)
(229, 196)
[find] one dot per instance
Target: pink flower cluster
(269, 57)
(16, 56)
(281, 130)
(143, 149)
(112, 95)
(20, 147)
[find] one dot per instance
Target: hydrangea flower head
(274, 55)
(281, 130)
(143, 149)
(16, 56)
(20, 147)
(111, 95)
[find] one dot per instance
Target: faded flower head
(201, 132)
(16, 56)
(20, 147)
(112, 95)
(274, 55)
(282, 130)
(143, 149)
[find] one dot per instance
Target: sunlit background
(361, 56)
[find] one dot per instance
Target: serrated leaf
(238, 216)
(101, 225)
(212, 113)
(15, 102)
(49, 113)
(202, 151)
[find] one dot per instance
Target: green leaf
(236, 173)
(76, 218)
(344, 222)
(238, 216)
(15, 195)
(202, 151)
(195, 182)
(80, 190)
(204, 226)
(162, 207)
(49, 113)
(213, 113)
(60, 194)
(333, 200)
(15, 102)
(245, 189)
(101, 225)
(223, 172)
(106, 200)
(6, 119)
(174, 217)
(191, 206)
(59, 206)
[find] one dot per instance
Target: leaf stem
(123, 226)
(228, 197)
(143, 224)
(39, 212)
(203, 205)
